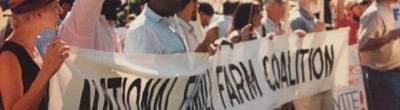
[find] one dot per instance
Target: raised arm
(340, 10)
(83, 17)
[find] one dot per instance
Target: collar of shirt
(276, 26)
(305, 14)
(185, 25)
(228, 17)
(151, 14)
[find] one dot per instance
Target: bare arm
(211, 36)
(83, 16)
(340, 10)
(378, 42)
(11, 84)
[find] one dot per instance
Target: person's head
(164, 7)
(130, 18)
(311, 6)
(142, 3)
(66, 6)
(357, 9)
(247, 13)
(387, 1)
(110, 9)
(229, 7)
(189, 8)
(275, 9)
(206, 12)
(42, 14)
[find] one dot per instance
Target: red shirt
(348, 21)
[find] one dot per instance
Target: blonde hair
(19, 20)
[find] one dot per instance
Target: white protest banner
(351, 96)
(259, 74)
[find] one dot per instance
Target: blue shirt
(44, 39)
(152, 34)
(301, 20)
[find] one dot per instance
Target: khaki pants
(320, 101)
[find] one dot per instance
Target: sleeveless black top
(28, 68)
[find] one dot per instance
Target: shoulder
(8, 63)
(371, 12)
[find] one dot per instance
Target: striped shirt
(301, 20)
(152, 34)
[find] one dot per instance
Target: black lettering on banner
(284, 73)
(265, 64)
(329, 60)
(146, 101)
(96, 96)
(124, 93)
(107, 99)
(239, 84)
(275, 63)
(251, 79)
(219, 70)
(135, 84)
(319, 73)
(114, 83)
(159, 96)
(310, 63)
(296, 66)
(231, 91)
(85, 97)
(192, 80)
(210, 92)
(292, 81)
(169, 93)
(302, 53)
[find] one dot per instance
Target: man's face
(165, 7)
(194, 7)
(66, 7)
(358, 10)
(205, 19)
(276, 9)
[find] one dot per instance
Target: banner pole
(321, 11)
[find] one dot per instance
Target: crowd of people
(36, 38)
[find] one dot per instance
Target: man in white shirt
(155, 30)
(91, 24)
(380, 52)
(224, 21)
(187, 12)
(206, 13)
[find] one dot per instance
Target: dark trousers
(384, 88)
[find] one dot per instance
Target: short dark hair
(66, 1)
(206, 8)
(230, 7)
(242, 14)
(110, 9)
(184, 3)
(142, 2)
